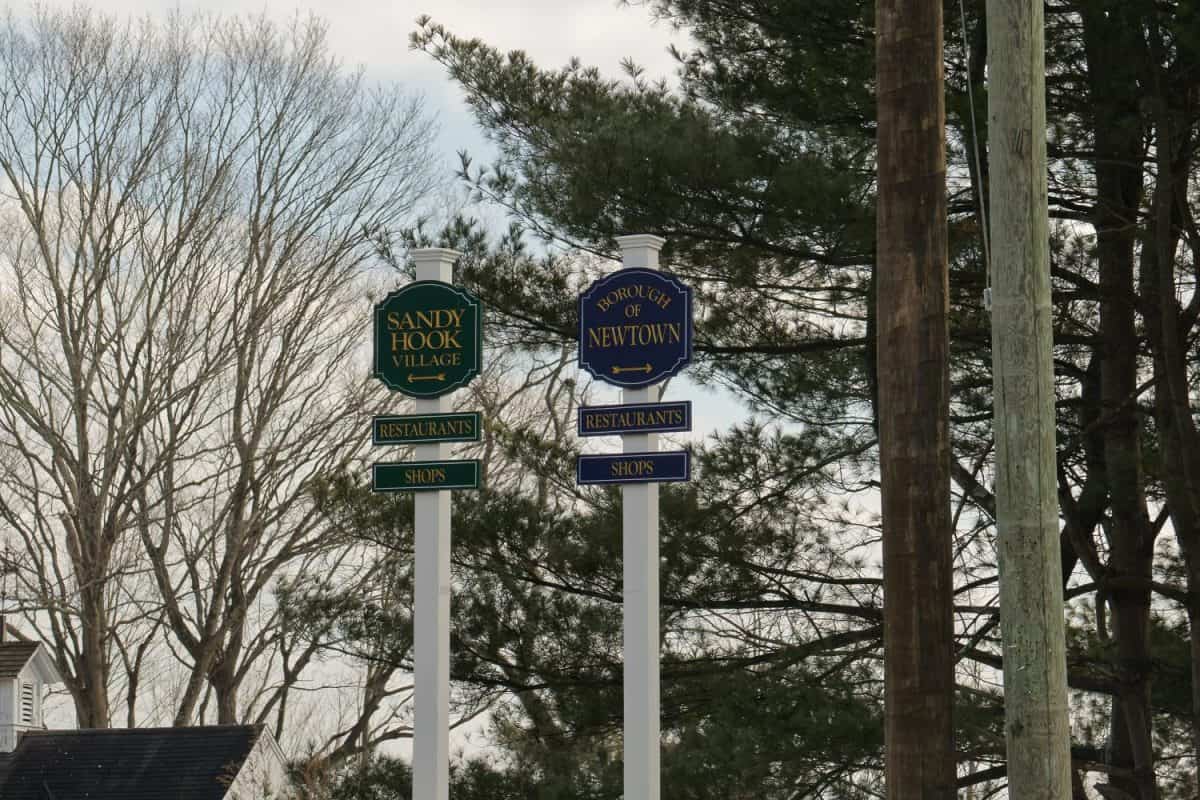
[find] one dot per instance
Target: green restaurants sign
(428, 339)
(427, 428)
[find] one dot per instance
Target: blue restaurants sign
(635, 418)
(635, 327)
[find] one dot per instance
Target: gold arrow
(646, 368)
(441, 376)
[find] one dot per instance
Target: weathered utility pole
(914, 402)
(1031, 598)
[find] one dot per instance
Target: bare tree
(188, 211)
(524, 397)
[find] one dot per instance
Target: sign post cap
(640, 249)
(434, 255)
(641, 240)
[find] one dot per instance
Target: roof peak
(150, 731)
(14, 656)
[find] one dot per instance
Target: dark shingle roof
(14, 656)
(128, 764)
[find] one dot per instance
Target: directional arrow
(441, 376)
(644, 368)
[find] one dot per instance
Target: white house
(216, 762)
(26, 669)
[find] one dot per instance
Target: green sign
(419, 476)
(422, 428)
(428, 339)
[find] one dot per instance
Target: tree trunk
(91, 706)
(225, 684)
(1130, 533)
(914, 442)
(1112, 27)
(1179, 440)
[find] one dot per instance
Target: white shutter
(27, 703)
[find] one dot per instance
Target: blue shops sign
(673, 466)
(635, 327)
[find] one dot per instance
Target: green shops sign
(428, 339)
(424, 476)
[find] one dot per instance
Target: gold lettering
(632, 469)
(605, 337)
(425, 476)
(436, 329)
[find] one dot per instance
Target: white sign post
(639, 535)
(431, 592)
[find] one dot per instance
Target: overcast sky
(374, 34)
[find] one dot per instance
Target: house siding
(8, 731)
(263, 775)
(11, 723)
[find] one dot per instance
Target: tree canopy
(181, 206)
(758, 169)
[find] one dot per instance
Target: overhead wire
(977, 183)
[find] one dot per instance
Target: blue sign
(635, 327)
(635, 418)
(654, 467)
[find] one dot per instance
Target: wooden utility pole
(1031, 597)
(914, 402)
